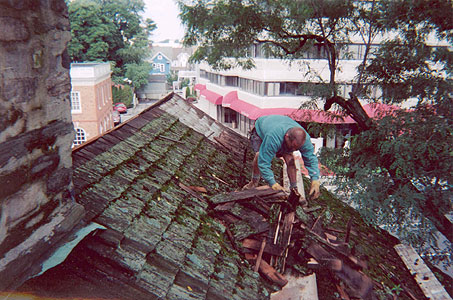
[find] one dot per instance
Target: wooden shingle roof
(160, 242)
(163, 187)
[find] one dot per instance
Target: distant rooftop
(88, 64)
(89, 71)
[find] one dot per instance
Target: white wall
(279, 70)
(206, 106)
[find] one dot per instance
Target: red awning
(304, 115)
(229, 98)
(199, 87)
(253, 112)
(232, 101)
(212, 97)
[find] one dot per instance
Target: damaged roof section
(164, 185)
(160, 241)
(280, 238)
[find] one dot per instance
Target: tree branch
(303, 38)
(352, 108)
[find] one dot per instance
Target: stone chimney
(36, 208)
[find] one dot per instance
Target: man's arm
(307, 152)
(267, 153)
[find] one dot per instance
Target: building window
(230, 116)
(231, 80)
(76, 105)
(290, 88)
(273, 88)
(80, 136)
(102, 94)
(98, 98)
(159, 67)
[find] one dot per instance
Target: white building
(238, 97)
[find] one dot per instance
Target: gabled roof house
(161, 191)
(161, 64)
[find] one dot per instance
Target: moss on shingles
(137, 164)
(169, 254)
(142, 144)
(177, 156)
(158, 125)
(156, 280)
(87, 173)
(194, 137)
(161, 124)
(227, 170)
(186, 217)
(143, 188)
(171, 162)
(161, 176)
(224, 278)
(174, 193)
(114, 217)
(211, 230)
(138, 140)
(180, 235)
(241, 230)
(127, 174)
(107, 188)
(206, 148)
(177, 292)
(122, 150)
(176, 131)
(160, 206)
(160, 146)
(150, 155)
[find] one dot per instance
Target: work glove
(277, 187)
(314, 189)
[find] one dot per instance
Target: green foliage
(334, 159)
(188, 93)
(395, 175)
(107, 30)
(122, 94)
(138, 73)
(172, 76)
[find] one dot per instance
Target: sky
(165, 14)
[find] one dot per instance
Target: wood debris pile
(270, 229)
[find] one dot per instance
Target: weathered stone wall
(36, 133)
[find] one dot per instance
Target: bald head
(295, 138)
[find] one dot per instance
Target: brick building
(91, 100)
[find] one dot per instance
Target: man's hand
(277, 187)
(314, 189)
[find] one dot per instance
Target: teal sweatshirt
(272, 129)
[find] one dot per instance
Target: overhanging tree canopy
(114, 31)
(394, 181)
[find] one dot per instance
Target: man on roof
(279, 136)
